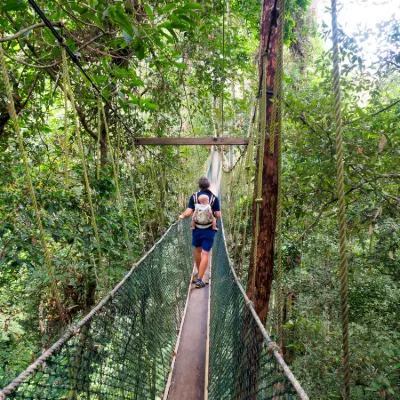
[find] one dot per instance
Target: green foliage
(312, 337)
(161, 64)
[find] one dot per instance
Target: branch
(90, 41)
(306, 123)
(334, 200)
(54, 64)
(396, 199)
(373, 114)
(30, 91)
(390, 176)
(25, 30)
(53, 76)
(18, 60)
(79, 20)
(396, 65)
(83, 120)
(3, 252)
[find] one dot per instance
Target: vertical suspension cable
(344, 272)
(117, 148)
(117, 191)
(238, 189)
(98, 149)
(143, 186)
(134, 196)
(248, 184)
(66, 138)
(258, 181)
(67, 83)
(244, 166)
(223, 69)
(14, 117)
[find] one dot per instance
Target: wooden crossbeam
(163, 141)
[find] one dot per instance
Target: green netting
(124, 351)
(241, 365)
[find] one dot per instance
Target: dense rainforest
(186, 69)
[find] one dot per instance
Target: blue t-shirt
(214, 207)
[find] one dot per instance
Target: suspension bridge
(139, 341)
(125, 347)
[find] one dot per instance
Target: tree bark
(264, 266)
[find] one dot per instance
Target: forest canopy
(190, 69)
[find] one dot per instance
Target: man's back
(202, 238)
(213, 200)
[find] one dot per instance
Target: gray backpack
(203, 219)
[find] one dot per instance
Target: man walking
(202, 235)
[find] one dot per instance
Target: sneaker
(200, 284)
(194, 277)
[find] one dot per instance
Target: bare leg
(203, 263)
(197, 256)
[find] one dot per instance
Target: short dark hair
(204, 182)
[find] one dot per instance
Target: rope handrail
(271, 345)
(74, 328)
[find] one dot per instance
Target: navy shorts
(203, 238)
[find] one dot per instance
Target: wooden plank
(171, 369)
(164, 141)
(187, 381)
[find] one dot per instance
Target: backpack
(203, 219)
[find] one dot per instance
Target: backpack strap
(195, 199)
(212, 199)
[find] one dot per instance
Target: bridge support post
(261, 272)
(261, 268)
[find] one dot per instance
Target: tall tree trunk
(261, 272)
(265, 246)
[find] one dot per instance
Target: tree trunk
(261, 272)
(265, 246)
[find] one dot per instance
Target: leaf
(186, 19)
(168, 7)
(13, 5)
(149, 11)
(139, 49)
(180, 65)
(179, 26)
(168, 36)
(147, 104)
(134, 99)
(382, 143)
(128, 38)
(118, 14)
(193, 6)
(359, 111)
(172, 32)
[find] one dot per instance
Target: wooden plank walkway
(188, 376)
